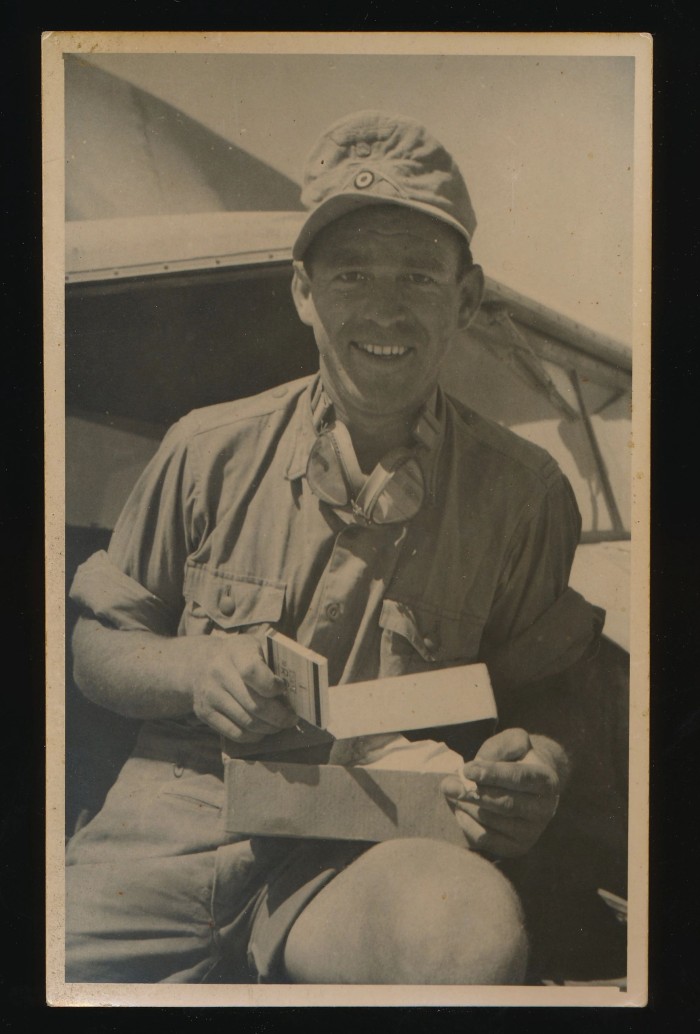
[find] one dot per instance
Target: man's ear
(472, 288)
(301, 293)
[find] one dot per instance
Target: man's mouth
(381, 351)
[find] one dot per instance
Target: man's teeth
(382, 349)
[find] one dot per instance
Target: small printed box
(305, 675)
(440, 697)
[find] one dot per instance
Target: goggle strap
(321, 406)
(373, 488)
(427, 429)
(343, 448)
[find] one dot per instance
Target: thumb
(508, 745)
(452, 786)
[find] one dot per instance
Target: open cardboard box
(397, 798)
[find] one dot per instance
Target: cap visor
(341, 204)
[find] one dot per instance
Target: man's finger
(512, 775)
(507, 745)
(485, 841)
(518, 805)
(217, 705)
(223, 725)
(507, 825)
(500, 802)
(274, 710)
(231, 709)
(244, 655)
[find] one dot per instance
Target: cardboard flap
(336, 803)
(448, 696)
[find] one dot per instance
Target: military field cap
(376, 158)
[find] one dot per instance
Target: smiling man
(386, 290)
(373, 519)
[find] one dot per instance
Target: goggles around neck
(391, 494)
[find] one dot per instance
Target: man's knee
(413, 911)
(452, 910)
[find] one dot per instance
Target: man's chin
(379, 392)
(386, 403)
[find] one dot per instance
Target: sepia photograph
(347, 389)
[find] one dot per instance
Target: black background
(675, 641)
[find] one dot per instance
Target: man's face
(382, 289)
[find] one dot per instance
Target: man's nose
(384, 302)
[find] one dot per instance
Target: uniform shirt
(223, 535)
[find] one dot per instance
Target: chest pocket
(219, 602)
(416, 638)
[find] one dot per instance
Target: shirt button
(227, 605)
(333, 611)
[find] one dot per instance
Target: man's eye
(352, 276)
(420, 279)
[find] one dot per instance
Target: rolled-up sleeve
(556, 641)
(137, 584)
(100, 588)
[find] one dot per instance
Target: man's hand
(511, 793)
(236, 693)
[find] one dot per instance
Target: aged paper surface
(544, 214)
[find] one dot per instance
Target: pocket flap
(399, 618)
(437, 636)
(234, 600)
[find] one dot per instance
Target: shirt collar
(304, 436)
